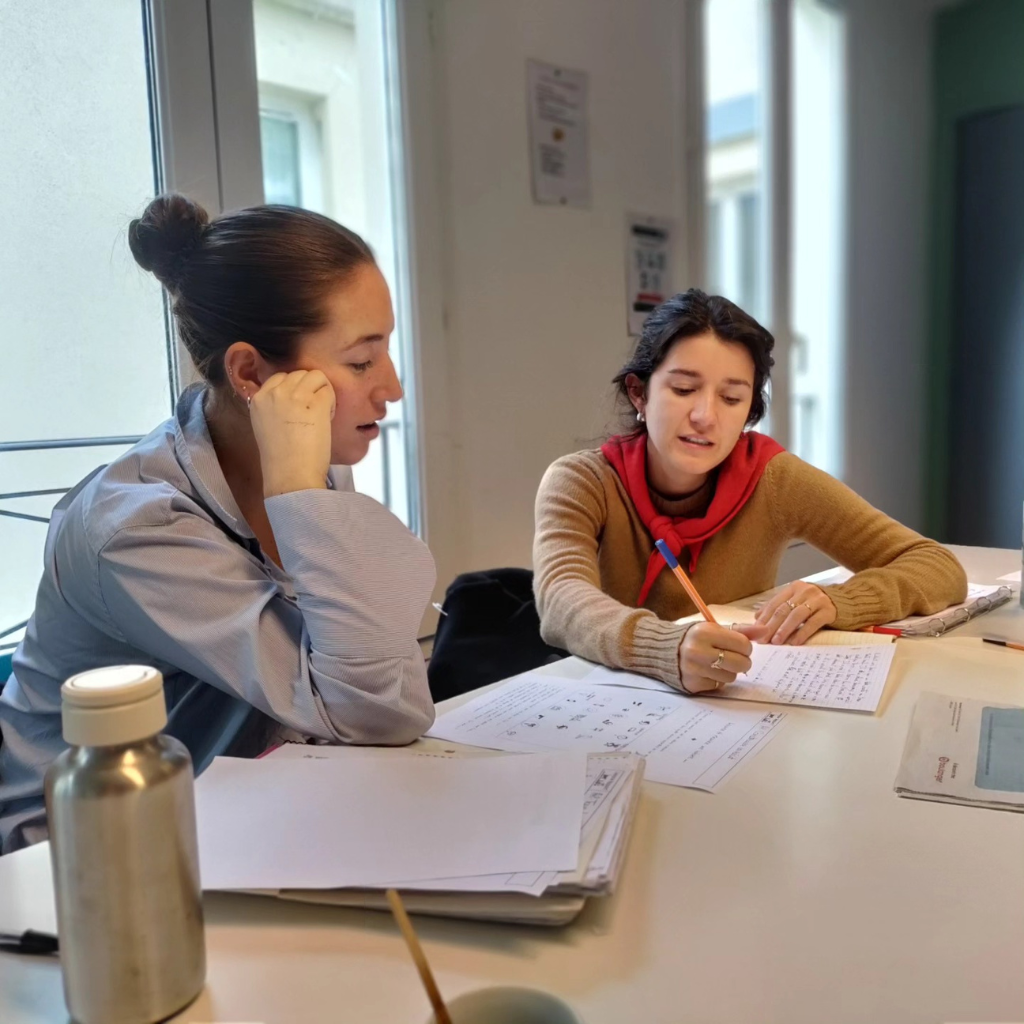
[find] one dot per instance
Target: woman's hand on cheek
(796, 613)
(291, 418)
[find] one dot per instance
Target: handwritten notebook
(849, 678)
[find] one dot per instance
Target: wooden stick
(419, 958)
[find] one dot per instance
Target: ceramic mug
(508, 1005)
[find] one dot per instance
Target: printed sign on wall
(559, 157)
(648, 268)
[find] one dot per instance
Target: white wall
(889, 146)
(534, 296)
(530, 302)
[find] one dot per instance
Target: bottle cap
(110, 706)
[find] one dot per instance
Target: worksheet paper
(851, 678)
(325, 824)
(686, 742)
(1012, 577)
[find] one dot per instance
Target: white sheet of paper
(851, 678)
(295, 823)
(686, 742)
(532, 883)
(599, 675)
(1012, 577)
(605, 779)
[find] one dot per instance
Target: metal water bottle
(122, 825)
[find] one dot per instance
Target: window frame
(776, 217)
(208, 127)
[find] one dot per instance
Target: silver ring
(719, 661)
(808, 607)
(792, 607)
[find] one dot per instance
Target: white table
(804, 892)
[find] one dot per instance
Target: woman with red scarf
(727, 501)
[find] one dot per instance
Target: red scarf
(738, 475)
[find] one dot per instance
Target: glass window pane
(749, 226)
(817, 233)
(735, 75)
(714, 252)
(279, 149)
(323, 69)
(82, 329)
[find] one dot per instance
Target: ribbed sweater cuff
(858, 604)
(656, 648)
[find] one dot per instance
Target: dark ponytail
(260, 275)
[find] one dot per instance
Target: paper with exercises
(685, 742)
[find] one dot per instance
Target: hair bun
(164, 237)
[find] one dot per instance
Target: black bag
(489, 631)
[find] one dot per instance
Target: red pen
(888, 630)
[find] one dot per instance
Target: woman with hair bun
(726, 500)
(228, 548)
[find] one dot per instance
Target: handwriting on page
(686, 742)
(830, 677)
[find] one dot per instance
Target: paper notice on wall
(648, 267)
(559, 154)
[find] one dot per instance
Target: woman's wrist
(290, 482)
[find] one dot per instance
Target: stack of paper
(514, 838)
(964, 752)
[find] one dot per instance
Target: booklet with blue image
(965, 752)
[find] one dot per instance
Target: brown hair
(686, 315)
(259, 275)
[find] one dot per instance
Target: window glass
(323, 72)
(82, 330)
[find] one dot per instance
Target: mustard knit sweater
(591, 549)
